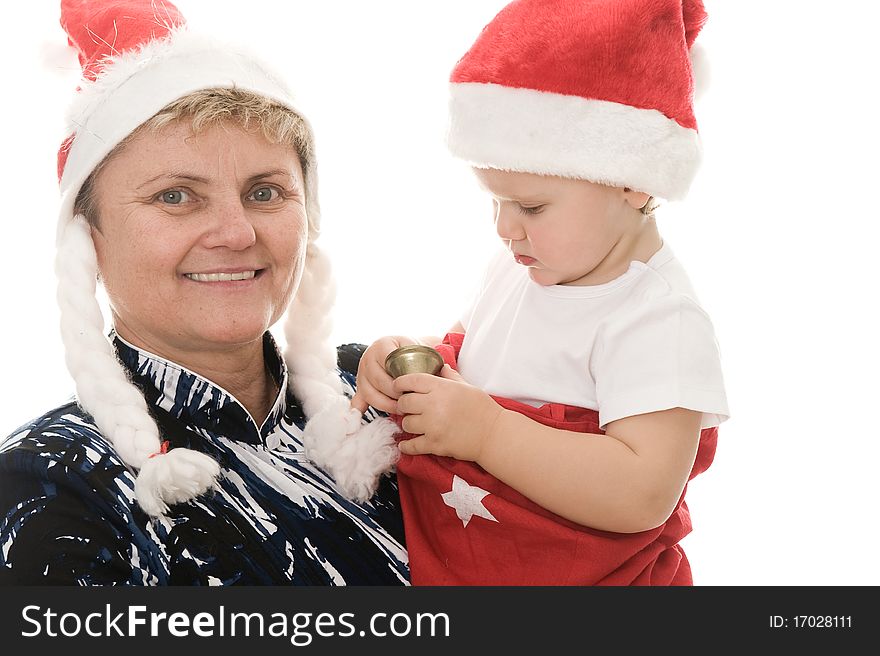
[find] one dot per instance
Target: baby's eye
(533, 209)
(264, 194)
(174, 196)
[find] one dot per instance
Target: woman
(188, 188)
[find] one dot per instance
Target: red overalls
(465, 527)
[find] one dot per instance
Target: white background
(779, 235)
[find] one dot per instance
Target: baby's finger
(450, 373)
(410, 403)
(413, 424)
(372, 380)
(421, 383)
(367, 394)
(414, 446)
(384, 403)
(359, 403)
(380, 380)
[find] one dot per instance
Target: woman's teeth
(220, 277)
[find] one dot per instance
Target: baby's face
(567, 232)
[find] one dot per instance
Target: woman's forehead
(215, 152)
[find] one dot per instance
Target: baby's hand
(450, 417)
(374, 385)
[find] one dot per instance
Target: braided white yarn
(356, 455)
(310, 355)
(104, 391)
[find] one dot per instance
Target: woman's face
(201, 239)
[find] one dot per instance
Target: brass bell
(413, 359)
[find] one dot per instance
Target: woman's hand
(374, 385)
(450, 417)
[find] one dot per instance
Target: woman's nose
(231, 226)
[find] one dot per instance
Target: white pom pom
(327, 429)
(354, 454)
(365, 456)
(701, 70)
(174, 477)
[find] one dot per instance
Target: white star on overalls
(467, 500)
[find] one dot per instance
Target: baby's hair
(650, 207)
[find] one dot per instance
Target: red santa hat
(137, 57)
(600, 90)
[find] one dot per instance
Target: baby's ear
(636, 199)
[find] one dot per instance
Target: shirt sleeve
(660, 354)
(57, 528)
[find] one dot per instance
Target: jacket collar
(197, 401)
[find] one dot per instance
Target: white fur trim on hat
(514, 129)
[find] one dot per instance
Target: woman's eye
(264, 194)
(174, 197)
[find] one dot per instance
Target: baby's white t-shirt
(640, 343)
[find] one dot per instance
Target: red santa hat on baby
(137, 57)
(599, 90)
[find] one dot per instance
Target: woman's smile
(225, 276)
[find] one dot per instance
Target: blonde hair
(208, 108)
(650, 207)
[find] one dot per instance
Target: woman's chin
(230, 335)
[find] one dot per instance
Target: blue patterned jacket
(69, 516)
